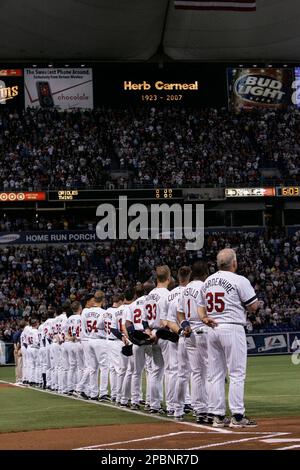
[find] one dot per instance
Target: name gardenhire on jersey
(159, 85)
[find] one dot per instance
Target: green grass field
(272, 390)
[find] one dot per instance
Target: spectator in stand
(36, 278)
(163, 146)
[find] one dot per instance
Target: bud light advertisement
(267, 88)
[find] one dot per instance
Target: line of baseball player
(66, 352)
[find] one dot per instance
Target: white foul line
(275, 441)
(289, 447)
(225, 443)
(150, 438)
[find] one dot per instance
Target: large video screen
(259, 88)
(62, 88)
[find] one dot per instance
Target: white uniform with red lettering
(196, 346)
(83, 384)
(75, 351)
(40, 356)
(33, 347)
(45, 350)
(68, 356)
(179, 367)
(115, 316)
(24, 347)
(225, 295)
(123, 365)
(62, 369)
(48, 366)
(93, 321)
(55, 352)
(134, 314)
(155, 309)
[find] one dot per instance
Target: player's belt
(100, 337)
(231, 323)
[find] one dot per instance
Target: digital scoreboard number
(288, 191)
(164, 193)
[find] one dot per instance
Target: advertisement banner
(268, 88)
(60, 88)
(48, 237)
(11, 88)
(268, 343)
(22, 196)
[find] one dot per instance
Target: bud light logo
(261, 89)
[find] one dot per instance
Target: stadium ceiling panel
(83, 29)
(134, 30)
(270, 33)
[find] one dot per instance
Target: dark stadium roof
(137, 29)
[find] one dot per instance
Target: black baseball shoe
(135, 407)
(124, 405)
(105, 398)
(160, 411)
(239, 421)
(94, 398)
(209, 419)
(201, 417)
(188, 409)
(170, 413)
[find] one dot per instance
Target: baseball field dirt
(160, 435)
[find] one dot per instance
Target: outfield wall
(258, 344)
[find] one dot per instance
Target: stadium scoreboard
(279, 191)
(112, 195)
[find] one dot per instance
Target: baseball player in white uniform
(180, 370)
(93, 321)
(83, 385)
(155, 316)
(115, 314)
(125, 368)
(60, 338)
(24, 347)
(68, 353)
(195, 339)
(32, 351)
(73, 346)
(40, 355)
(48, 335)
(45, 349)
(133, 321)
(224, 299)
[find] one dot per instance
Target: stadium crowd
(175, 146)
(34, 279)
